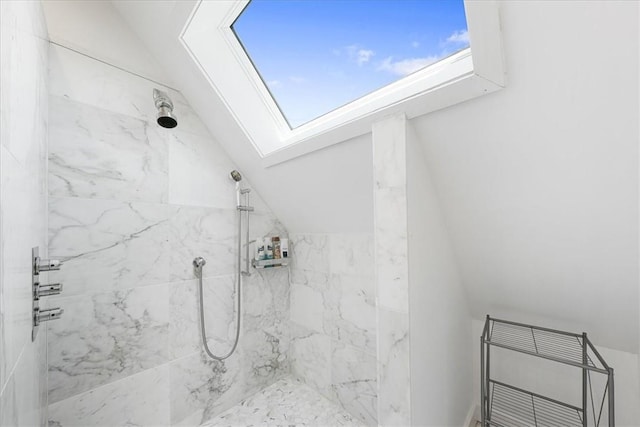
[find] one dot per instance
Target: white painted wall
(441, 382)
(539, 182)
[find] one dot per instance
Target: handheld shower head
(235, 175)
(166, 119)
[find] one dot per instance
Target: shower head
(235, 175)
(166, 119)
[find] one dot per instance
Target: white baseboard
(473, 414)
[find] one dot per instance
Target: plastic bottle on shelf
(268, 248)
(276, 248)
(260, 255)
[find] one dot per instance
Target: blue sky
(317, 55)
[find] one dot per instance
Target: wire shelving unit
(505, 405)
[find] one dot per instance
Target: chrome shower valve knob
(48, 290)
(47, 265)
(40, 316)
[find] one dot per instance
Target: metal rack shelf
(504, 405)
(512, 406)
(559, 346)
(270, 263)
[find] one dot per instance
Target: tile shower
(130, 205)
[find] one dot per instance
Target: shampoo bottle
(276, 248)
(268, 248)
(260, 249)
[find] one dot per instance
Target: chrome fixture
(166, 118)
(46, 315)
(237, 177)
(39, 290)
(47, 265)
(199, 263)
(48, 290)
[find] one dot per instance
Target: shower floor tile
(286, 403)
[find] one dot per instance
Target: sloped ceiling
(330, 191)
(538, 182)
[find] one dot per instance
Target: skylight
(316, 56)
(335, 67)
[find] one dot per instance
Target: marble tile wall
(23, 137)
(333, 319)
(130, 205)
(392, 270)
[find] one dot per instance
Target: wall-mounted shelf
(504, 405)
(270, 263)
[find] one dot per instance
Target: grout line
(114, 66)
(14, 368)
(167, 363)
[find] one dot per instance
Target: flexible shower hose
(199, 263)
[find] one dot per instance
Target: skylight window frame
(209, 38)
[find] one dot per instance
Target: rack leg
(487, 376)
(612, 419)
(584, 380)
(482, 390)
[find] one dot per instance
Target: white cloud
(459, 37)
(274, 83)
(364, 55)
(358, 54)
(297, 79)
(415, 44)
(406, 66)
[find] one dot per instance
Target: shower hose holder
(43, 290)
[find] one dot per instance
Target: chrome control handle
(39, 290)
(40, 316)
(47, 290)
(47, 265)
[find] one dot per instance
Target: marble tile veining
(94, 153)
(333, 319)
(220, 315)
(195, 167)
(392, 273)
(202, 387)
(106, 336)
(138, 400)
(83, 79)
(310, 252)
(108, 244)
(311, 358)
(286, 403)
(351, 311)
(393, 369)
(353, 378)
(206, 232)
(131, 206)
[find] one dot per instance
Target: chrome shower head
(235, 175)
(166, 119)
